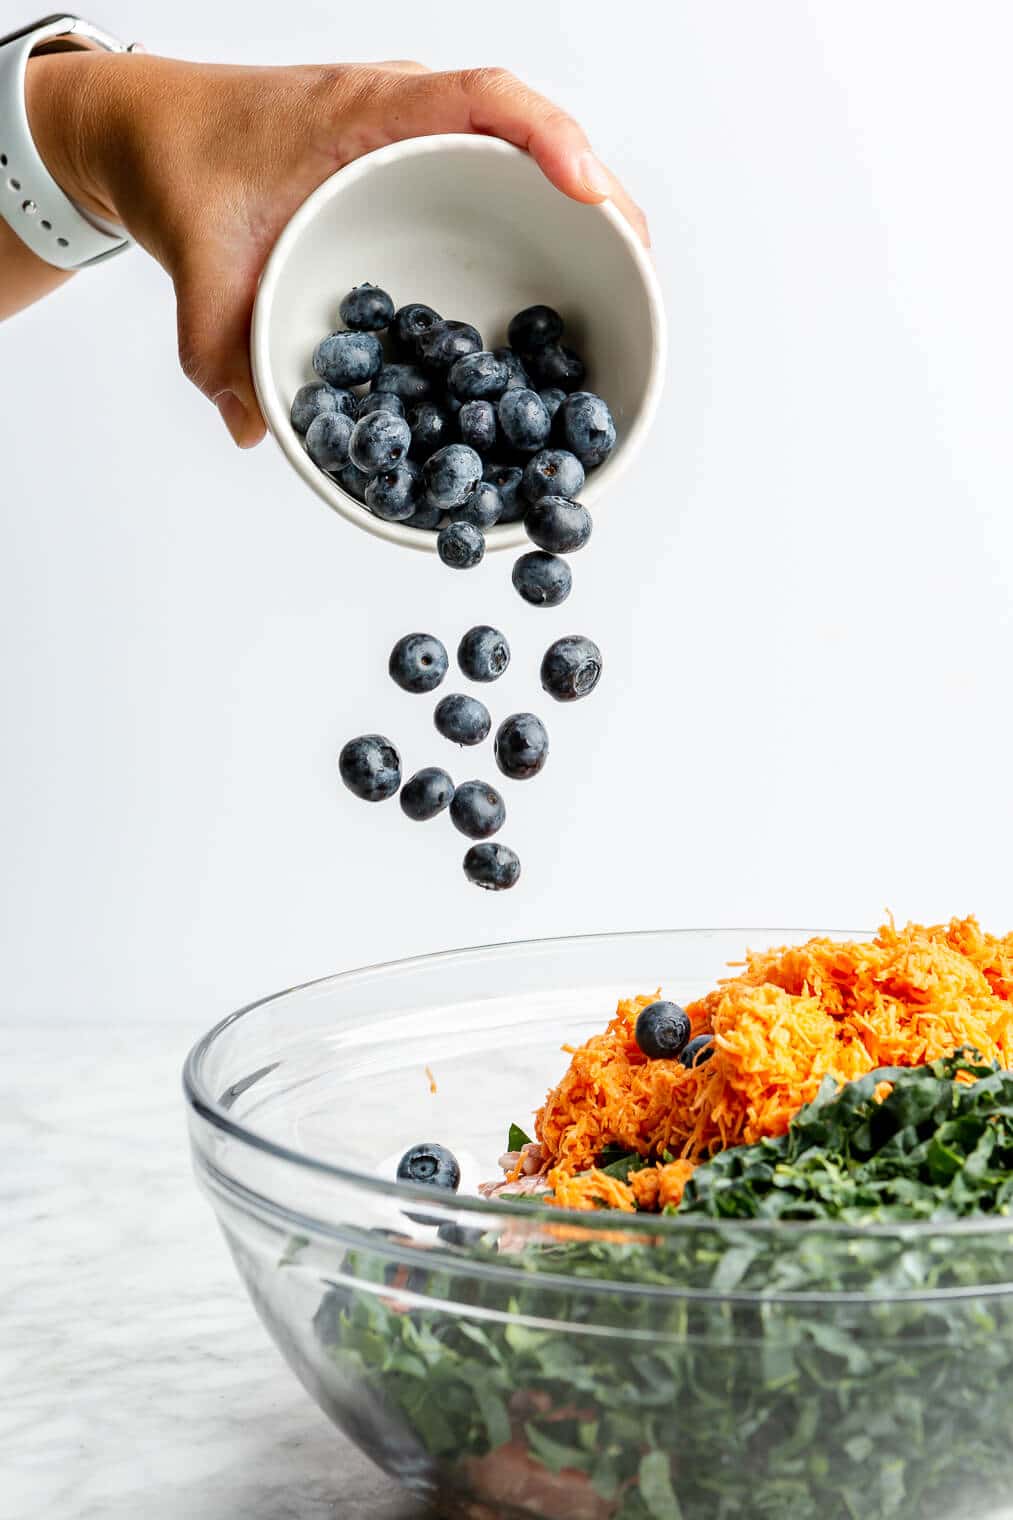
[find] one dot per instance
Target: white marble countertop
(137, 1379)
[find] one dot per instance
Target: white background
(802, 588)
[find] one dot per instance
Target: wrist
(73, 103)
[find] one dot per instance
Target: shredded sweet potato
(788, 1019)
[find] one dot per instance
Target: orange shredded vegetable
(789, 1018)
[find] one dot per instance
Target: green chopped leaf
(656, 1487)
(517, 1138)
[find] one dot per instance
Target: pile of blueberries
(370, 765)
(452, 438)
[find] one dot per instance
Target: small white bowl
(469, 225)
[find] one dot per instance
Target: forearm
(23, 277)
(52, 100)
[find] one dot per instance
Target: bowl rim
(208, 1108)
(276, 412)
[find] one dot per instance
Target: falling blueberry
(557, 525)
(462, 719)
(521, 746)
(493, 866)
(426, 794)
(483, 654)
(571, 668)
(460, 545)
(370, 767)
(477, 810)
(543, 580)
(418, 662)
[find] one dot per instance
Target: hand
(204, 165)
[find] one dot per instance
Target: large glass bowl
(515, 1360)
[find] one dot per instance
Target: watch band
(31, 202)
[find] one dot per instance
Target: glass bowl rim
(218, 1116)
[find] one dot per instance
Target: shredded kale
(516, 1138)
(775, 1393)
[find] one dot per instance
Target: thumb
(214, 306)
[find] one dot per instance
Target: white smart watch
(31, 202)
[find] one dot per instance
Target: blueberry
(379, 442)
(553, 399)
(478, 377)
(461, 719)
(431, 1164)
(493, 866)
(461, 1235)
(587, 428)
(523, 419)
(507, 478)
(404, 380)
(426, 794)
(379, 401)
(348, 358)
(430, 427)
(353, 481)
(483, 507)
(533, 327)
(699, 1051)
(663, 1031)
(327, 439)
(426, 517)
(571, 668)
(316, 397)
(542, 579)
(449, 475)
(521, 746)
(444, 343)
(519, 377)
(370, 767)
(557, 366)
(392, 494)
(460, 545)
(418, 662)
(410, 323)
(552, 472)
(477, 809)
(483, 654)
(476, 422)
(451, 404)
(557, 525)
(367, 308)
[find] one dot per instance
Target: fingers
(214, 308)
(494, 101)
